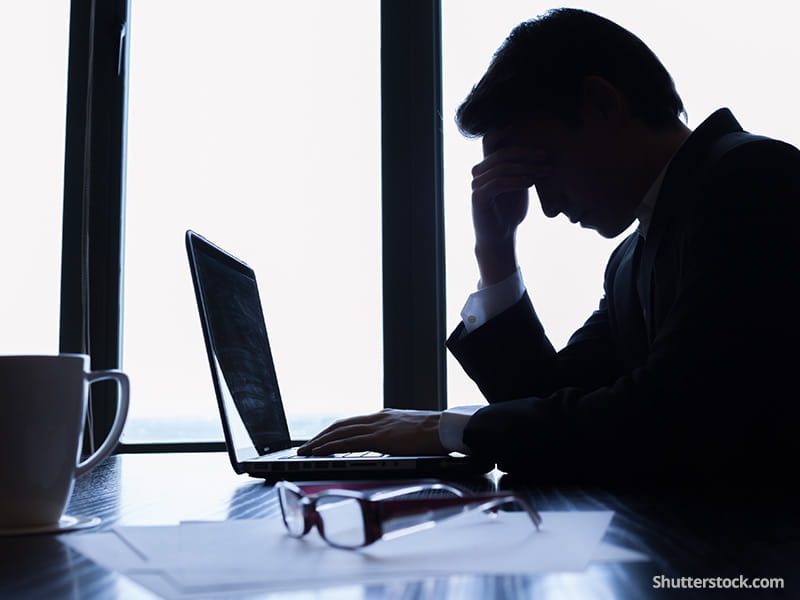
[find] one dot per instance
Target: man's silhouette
(687, 368)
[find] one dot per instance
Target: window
(256, 124)
(32, 112)
(207, 121)
(719, 54)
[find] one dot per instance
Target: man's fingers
(334, 434)
(511, 156)
(522, 172)
(389, 430)
(490, 184)
(357, 420)
(357, 443)
(494, 188)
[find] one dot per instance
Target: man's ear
(602, 102)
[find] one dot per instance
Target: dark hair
(541, 66)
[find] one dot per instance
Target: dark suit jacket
(688, 367)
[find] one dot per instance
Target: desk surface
(746, 533)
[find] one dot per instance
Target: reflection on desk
(738, 534)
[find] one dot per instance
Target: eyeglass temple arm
(373, 488)
(493, 505)
(398, 514)
(394, 493)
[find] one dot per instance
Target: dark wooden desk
(687, 534)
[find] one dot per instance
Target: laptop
(250, 404)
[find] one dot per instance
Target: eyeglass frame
(382, 504)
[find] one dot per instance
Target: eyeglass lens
(343, 521)
(292, 509)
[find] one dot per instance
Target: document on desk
(245, 555)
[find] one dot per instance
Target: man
(687, 367)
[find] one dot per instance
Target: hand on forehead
(523, 133)
(497, 138)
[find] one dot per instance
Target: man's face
(591, 182)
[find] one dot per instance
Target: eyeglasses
(351, 518)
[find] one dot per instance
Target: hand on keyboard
(399, 432)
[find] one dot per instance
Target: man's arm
(535, 369)
(500, 184)
(510, 356)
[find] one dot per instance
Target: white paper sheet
(239, 555)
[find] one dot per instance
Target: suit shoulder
(752, 188)
(751, 167)
(748, 151)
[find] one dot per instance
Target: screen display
(240, 353)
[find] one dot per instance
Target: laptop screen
(239, 352)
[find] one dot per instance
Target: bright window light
(256, 124)
(33, 61)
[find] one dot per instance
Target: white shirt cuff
(452, 423)
(488, 302)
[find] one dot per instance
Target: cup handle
(114, 434)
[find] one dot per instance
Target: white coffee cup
(43, 401)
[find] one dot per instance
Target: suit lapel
(680, 181)
(627, 306)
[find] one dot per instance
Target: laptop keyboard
(349, 455)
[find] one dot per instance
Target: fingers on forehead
(497, 138)
(516, 134)
(513, 149)
(525, 158)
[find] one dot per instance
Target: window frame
(92, 276)
(94, 196)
